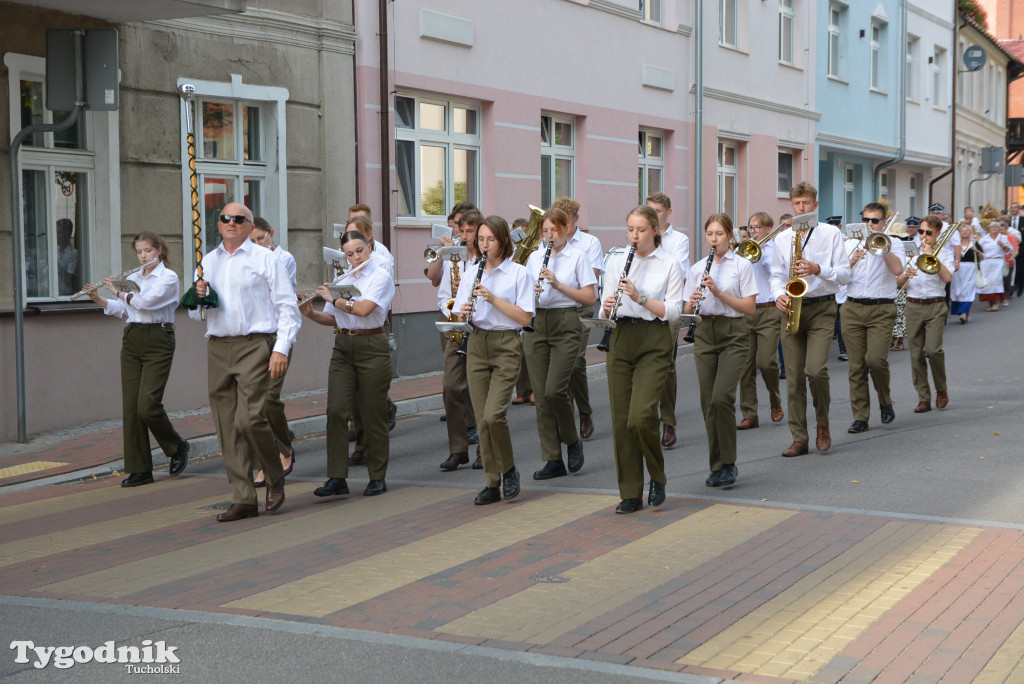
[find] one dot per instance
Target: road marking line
(30, 467)
(1007, 665)
(72, 501)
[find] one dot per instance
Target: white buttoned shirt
(570, 266)
(444, 290)
(763, 273)
(591, 247)
(375, 285)
(825, 248)
(509, 281)
(924, 286)
(733, 275)
(289, 265)
(678, 245)
(656, 275)
(156, 300)
(871, 278)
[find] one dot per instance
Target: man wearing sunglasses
(867, 320)
(249, 335)
(926, 318)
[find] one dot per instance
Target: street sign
(992, 159)
(1014, 175)
(99, 69)
(974, 57)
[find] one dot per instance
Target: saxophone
(796, 287)
(454, 336)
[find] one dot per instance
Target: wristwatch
(643, 299)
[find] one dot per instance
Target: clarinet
(688, 337)
(606, 341)
(464, 345)
(536, 299)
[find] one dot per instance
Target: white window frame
(937, 83)
(883, 185)
(446, 139)
(780, 190)
(652, 11)
(555, 153)
(728, 11)
(912, 195)
(648, 162)
(910, 82)
(834, 39)
(787, 18)
(849, 190)
(991, 87)
(726, 171)
(100, 237)
(271, 169)
(876, 66)
(1000, 88)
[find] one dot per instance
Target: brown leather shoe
(823, 441)
(922, 407)
(275, 495)
(586, 426)
(358, 458)
(941, 399)
(777, 414)
(748, 424)
(239, 511)
(668, 436)
(454, 461)
(795, 449)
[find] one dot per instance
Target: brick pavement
(738, 592)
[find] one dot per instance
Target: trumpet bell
(749, 250)
(878, 244)
(928, 263)
(432, 254)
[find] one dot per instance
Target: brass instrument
(689, 336)
(751, 249)
(606, 341)
(929, 263)
(526, 246)
(432, 253)
(92, 288)
(879, 244)
(796, 287)
(454, 336)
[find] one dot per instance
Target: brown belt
(718, 318)
(933, 300)
(371, 331)
(765, 305)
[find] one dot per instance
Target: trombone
(929, 263)
(880, 243)
(751, 249)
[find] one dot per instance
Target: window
(849, 188)
(557, 158)
(998, 118)
(937, 83)
(912, 195)
(727, 161)
(437, 155)
(785, 183)
(727, 23)
(786, 31)
(834, 15)
(651, 174)
(876, 57)
(59, 177)
(651, 10)
(991, 92)
(883, 185)
(240, 156)
(909, 83)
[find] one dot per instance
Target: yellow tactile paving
(544, 612)
(75, 500)
(799, 631)
(101, 532)
(1007, 665)
(173, 566)
(30, 467)
(333, 590)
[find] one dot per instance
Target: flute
(606, 341)
(464, 345)
(92, 288)
(688, 337)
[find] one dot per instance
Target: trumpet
(92, 288)
(929, 263)
(751, 249)
(432, 253)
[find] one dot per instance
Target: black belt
(870, 302)
(630, 319)
(169, 326)
(716, 317)
(358, 332)
(931, 300)
(822, 298)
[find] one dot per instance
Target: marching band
(503, 291)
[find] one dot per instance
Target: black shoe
(472, 437)
(728, 475)
(510, 483)
(858, 426)
(487, 495)
(180, 459)
(575, 452)
(888, 415)
(137, 479)
(375, 487)
(444, 417)
(656, 495)
(630, 506)
(551, 469)
(335, 486)
(712, 480)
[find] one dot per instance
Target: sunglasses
(238, 218)
(873, 221)
(927, 232)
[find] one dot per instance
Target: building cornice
(921, 12)
(838, 141)
(913, 157)
(613, 8)
(269, 26)
(737, 98)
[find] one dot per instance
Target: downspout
(902, 102)
(698, 142)
(385, 128)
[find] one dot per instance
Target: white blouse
(509, 281)
(733, 275)
(570, 266)
(656, 275)
(375, 284)
(154, 303)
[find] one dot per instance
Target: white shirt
(656, 275)
(289, 265)
(255, 295)
(154, 303)
(871, 278)
(383, 255)
(733, 275)
(678, 245)
(591, 247)
(990, 248)
(374, 285)
(444, 290)
(509, 281)
(570, 266)
(825, 248)
(924, 286)
(763, 273)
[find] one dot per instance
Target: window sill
(836, 79)
(876, 91)
(734, 48)
(51, 308)
(789, 65)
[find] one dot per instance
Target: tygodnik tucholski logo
(151, 658)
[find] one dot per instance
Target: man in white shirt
(677, 244)
(579, 387)
(824, 268)
(249, 335)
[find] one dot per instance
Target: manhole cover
(551, 579)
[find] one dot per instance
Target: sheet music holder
(125, 285)
(804, 222)
(453, 326)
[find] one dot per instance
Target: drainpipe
(902, 101)
(698, 143)
(385, 129)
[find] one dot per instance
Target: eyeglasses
(873, 221)
(238, 218)
(927, 232)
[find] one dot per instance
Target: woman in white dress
(962, 290)
(993, 248)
